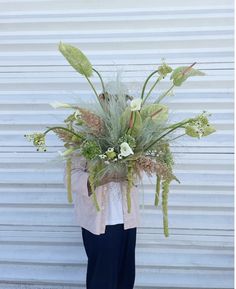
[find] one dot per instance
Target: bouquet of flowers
(123, 136)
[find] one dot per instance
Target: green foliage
(165, 155)
(130, 167)
(165, 192)
(111, 155)
(76, 58)
(38, 140)
(137, 124)
(164, 69)
(90, 149)
(158, 188)
(124, 119)
(128, 117)
(157, 112)
(91, 179)
(134, 135)
(180, 74)
(68, 172)
(199, 127)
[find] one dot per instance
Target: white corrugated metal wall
(40, 246)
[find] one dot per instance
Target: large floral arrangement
(123, 136)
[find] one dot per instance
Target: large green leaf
(158, 112)
(125, 118)
(180, 74)
(76, 58)
(137, 124)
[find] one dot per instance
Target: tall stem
(177, 137)
(60, 127)
(100, 77)
(174, 127)
(93, 88)
(151, 89)
(164, 94)
(146, 81)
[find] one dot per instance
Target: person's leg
(127, 268)
(103, 252)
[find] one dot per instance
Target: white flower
(102, 156)
(107, 162)
(135, 104)
(120, 156)
(110, 150)
(125, 149)
(57, 104)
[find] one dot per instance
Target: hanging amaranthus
(129, 185)
(92, 186)
(158, 188)
(68, 172)
(165, 191)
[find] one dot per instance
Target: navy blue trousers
(111, 258)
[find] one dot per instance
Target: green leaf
(76, 58)
(124, 119)
(137, 124)
(180, 74)
(158, 112)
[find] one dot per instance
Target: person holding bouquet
(110, 144)
(109, 236)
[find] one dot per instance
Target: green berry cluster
(90, 149)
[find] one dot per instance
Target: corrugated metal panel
(40, 245)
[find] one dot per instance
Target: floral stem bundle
(123, 136)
